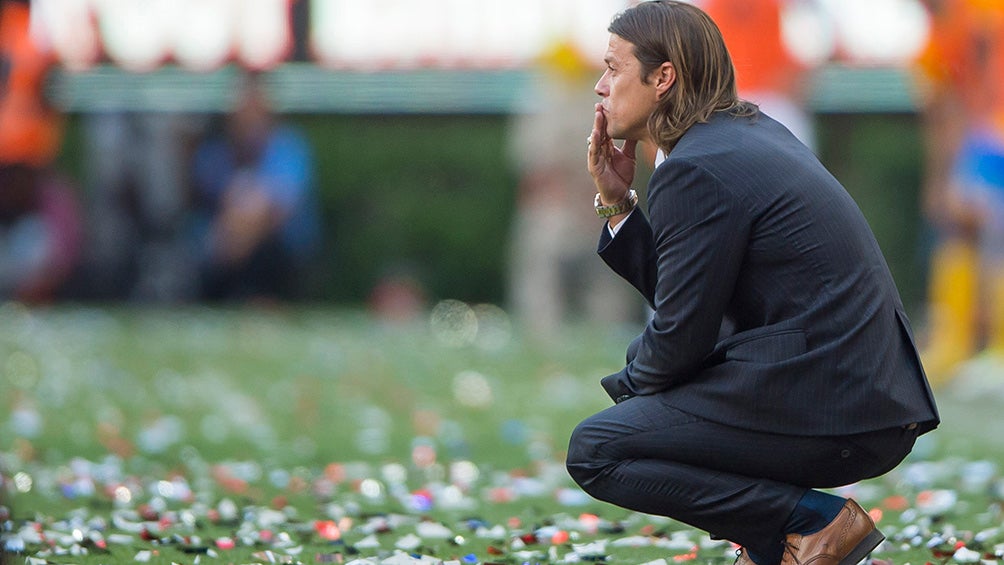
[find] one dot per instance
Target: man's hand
(612, 168)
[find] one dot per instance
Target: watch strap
(627, 204)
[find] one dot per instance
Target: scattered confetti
(154, 497)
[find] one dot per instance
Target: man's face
(628, 101)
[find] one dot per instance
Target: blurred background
(391, 154)
(344, 252)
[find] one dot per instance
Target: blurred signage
(141, 35)
(455, 33)
(201, 35)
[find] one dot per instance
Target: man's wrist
(624, 206)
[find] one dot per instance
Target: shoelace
(789, 550)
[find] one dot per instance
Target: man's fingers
(599, 125)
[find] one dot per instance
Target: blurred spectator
(555, 273)
(136, 164)
(766, 72)
(257, 219)
(962, 74)
(39, 217)
(40, 233)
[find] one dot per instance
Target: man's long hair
(682, 34)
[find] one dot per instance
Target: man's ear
(665, 77)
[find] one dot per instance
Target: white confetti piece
(408, 542)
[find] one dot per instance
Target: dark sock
(814, 511)
(770, 555)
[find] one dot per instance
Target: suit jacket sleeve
(685, 262)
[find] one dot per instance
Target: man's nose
(601, 86)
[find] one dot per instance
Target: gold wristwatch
(622, 207)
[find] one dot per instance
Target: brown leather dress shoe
(850, 537)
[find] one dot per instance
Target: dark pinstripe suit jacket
(774, 307)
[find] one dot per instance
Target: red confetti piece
(876, 514)
(228, 482)
(328, 530)
(591, 522)
(147, 513)
(559, 537)
(492, 550)
(896, 503)
(226, 543)
(500, 495)
(334, 472)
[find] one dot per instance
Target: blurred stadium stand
(307, 88)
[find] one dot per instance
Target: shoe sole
(863, 548)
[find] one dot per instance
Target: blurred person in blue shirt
(257, 222)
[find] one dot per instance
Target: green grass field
(325, 436)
